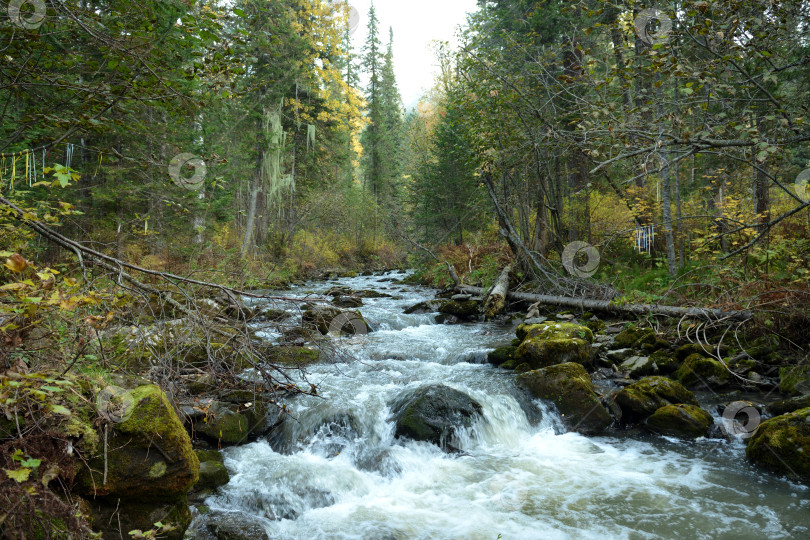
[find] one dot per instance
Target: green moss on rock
(795, 380)
(229, 423)
(633, 336)
(548, 344)
(153, 434)
(569, 387)
(501, 355)
(680, 420)
(789, 405)
(212, 475)
(782, 445)
(289, 355)
(643, 398)
(466, 309)
(699, 371)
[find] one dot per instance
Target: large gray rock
(434, 414)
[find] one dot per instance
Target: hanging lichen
(310, 136)
(276, 181)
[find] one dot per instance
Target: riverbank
(322, 456)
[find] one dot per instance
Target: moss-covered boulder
(795, 380)
(681, 421)
(548, 344)
(764, 348)
(467, 310)
(232, 423)
(433, 414)
(212, 475)
(114, 518)
(501, 355)
(331, 319)
(633, 336)
(569, 387)
(149, 453)
(789, 405)
(641, 399)
(638, 366)
(701, 372)
(782, 445)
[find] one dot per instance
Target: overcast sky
(416, 24)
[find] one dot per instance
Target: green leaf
(20, 475)
(31, 463)
(51, 388)
(59, 409)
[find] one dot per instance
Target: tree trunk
(626, 309)
(495, 302)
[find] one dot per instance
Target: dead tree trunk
(496, 301)
(625, 309)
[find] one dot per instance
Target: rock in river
(782, 445)
(434, 413)
(643, 398)
(569, 387)
(682, 421)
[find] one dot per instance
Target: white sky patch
(416, 24)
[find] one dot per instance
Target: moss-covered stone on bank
(782, 445)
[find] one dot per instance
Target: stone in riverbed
(347, 302)
(465, 310)
(501, 355)
(789, 405)
(212, 475)
(569, 387)
(641, 399)
(427, 306)
(699, 371)
(434, 414)
(782, 445)
(681, 421)
(547, 344)
(114, 518)
(331, 319)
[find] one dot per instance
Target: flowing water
(338, 472)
